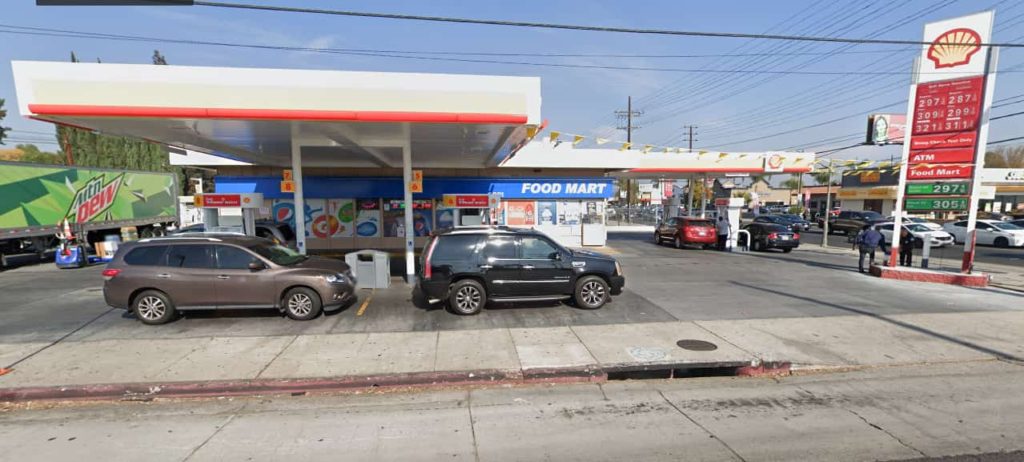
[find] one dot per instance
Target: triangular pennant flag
(554, 136)
(884, 164)
(850, 163)
(668, 150)
(531, 131)
(600, 141)
(742, 156)
(723, 155)
(699, 154)
(679, 150)
(647, 148)
(798, 159)
(577, 139)
(865, 164)
(625, 146)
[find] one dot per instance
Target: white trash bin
(372, 268)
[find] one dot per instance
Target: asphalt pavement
(917, 413)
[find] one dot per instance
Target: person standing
(723, 232)
(907, 242)
(868, 241)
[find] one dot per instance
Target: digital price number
(947, 106)
(952, 203)
(935, 189)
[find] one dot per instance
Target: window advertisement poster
(569, 212)
(320, 223)
(547, 213)
(445, 218)
(594, 213)
(422, 217)
(283, 211)
(394, 218)
(344, 210)
(368, 218)
(521, 213)
(498, 213)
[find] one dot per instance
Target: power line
(574, 27)
(1006, 140)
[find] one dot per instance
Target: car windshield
(278, 254)
(916, 228)
(1007, 226)
(872, 215)
(699, 223)
(791, 217)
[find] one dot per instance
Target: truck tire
(467, 297)
(591, 292)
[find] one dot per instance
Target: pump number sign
(935, 189)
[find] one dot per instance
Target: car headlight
(618, 268)
(336, 278)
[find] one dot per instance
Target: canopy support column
(410, 232)
(299, 200)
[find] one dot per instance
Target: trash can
(372, 268)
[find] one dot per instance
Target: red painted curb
(938, 277)
(765, 370)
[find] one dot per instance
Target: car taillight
(773, 236)
(109, 273)
(796, 236)
(426, 260)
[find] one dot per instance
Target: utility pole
(690, 138)
(828, 206)
(628, 116)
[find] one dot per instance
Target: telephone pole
(690, 137)
(628, 115)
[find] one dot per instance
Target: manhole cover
(696, 345)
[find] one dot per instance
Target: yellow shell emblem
(954, 48)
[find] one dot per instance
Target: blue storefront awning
(318, 187)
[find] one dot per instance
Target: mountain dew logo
(94, 198)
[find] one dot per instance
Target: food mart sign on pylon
(950, 99)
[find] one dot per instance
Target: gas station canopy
(356, 119)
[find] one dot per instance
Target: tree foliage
(791, 183)
(1005, 157)
(31, 153)
(823, 176)
(3, 130)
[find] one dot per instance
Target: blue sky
(727, 108)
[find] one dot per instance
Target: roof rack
(180, 238)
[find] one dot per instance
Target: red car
(682, 231)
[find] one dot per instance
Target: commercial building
(869, 190)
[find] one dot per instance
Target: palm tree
(792, 183)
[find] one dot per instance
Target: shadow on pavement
(905, 325)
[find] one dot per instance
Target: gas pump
(249, 203)
(730, 208)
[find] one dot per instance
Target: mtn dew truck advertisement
(38, 198)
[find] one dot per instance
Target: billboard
(886, 128)
(36, 196)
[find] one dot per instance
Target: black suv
(850, 222)
(469, 267)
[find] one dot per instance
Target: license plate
(784, 238)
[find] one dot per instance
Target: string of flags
(558, 137)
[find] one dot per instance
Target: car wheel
(657, 238)
(302, 304)
(467, 297)
(1001, 242)
(678, 243)
(153, 307)
(787, 250)
(591, 292)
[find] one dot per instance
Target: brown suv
(154, 278)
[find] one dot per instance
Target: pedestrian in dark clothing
(907, 242)
(724, 229)
(868, 240)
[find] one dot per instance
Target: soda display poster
(547, 213)
(521, 213)
(422, 217)
(394, 218)
(368, 218)
(569, 212)
(344, 210)
(445, 218)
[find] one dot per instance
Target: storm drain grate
(696, 345)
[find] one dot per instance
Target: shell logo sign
(773, 163)
(954, 48)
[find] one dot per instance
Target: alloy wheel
(300, 305)
(151, 308)
(467, 299)
(592, 293)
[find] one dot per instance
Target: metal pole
(299, 202)
(410, 257)
(703, 195)
(979, 159)
(927, 252)
(629, 139)
(828, 205)
(897, 219)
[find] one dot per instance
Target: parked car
(983, 215)
(1019, 223)
(851, 221)
(797, 222)
(682, 231)
(764, 236)
(920, 233)
(280, 233)
(990, 232)
(469, 267)
(158, 277)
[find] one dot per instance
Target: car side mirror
(257, 266)
(556, 256)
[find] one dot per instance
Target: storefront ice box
(372, 268)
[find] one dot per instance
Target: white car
(919, 231)
(921, 221)
(990, 232)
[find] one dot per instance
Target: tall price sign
(949, 103)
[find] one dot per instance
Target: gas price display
(947, 106)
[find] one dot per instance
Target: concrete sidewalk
(1004, 276)
(238, 365)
